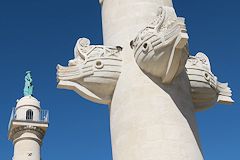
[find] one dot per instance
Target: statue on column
(28, 88)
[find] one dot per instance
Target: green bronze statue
(28, 89)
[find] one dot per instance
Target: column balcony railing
(43, 117)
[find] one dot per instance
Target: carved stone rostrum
(94, 71)
(161, 48)
(205, 88)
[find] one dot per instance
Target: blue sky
(37, 35)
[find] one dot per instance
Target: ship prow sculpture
(93, 72)
(161, 48)
(206, 90)
(153, 86)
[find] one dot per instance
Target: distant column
(27, 128)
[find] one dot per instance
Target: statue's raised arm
(28, 88)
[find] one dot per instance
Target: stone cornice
(27, 106)
(16, 133)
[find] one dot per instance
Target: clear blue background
(36, 35)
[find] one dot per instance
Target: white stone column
(149, 121)
(27, 131)
(27, 146)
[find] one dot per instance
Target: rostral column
(145, 74)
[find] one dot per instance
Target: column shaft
(149, 121)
